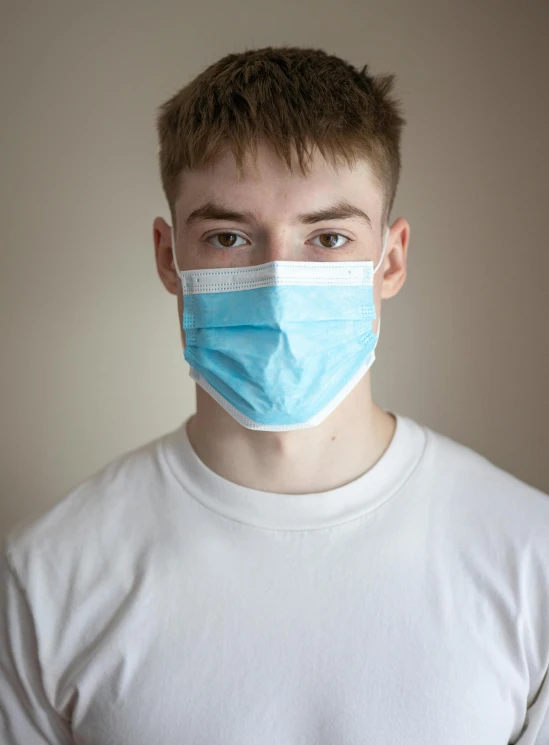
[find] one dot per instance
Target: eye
(226, 240)
(329, 240)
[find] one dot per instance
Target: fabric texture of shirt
(158, 603)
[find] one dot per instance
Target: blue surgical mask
(280, 345)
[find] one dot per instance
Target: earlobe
(392, 286)
(394, 275)
(166, 271)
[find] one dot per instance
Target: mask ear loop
(375, 270)
(173, 254)
(383, 251)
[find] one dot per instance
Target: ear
(393, 269)
(163, 254)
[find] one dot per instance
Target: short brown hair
(293, 99)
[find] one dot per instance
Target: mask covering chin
(280, 345)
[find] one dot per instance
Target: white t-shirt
(160, 604)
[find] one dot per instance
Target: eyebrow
(213, 211)
(341, 210)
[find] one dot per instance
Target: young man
(293, 564)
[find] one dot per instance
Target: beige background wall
(91, 358)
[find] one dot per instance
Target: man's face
(270, 214)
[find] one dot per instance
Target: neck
(337, 451)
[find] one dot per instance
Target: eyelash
(329, 248)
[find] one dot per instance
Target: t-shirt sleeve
(535, 634)
(536, 729)
(26, 715)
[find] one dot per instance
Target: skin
(355, 436)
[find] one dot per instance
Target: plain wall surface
(92, 364)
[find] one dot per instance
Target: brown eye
(226, 240)
(330, 240)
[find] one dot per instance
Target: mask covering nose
(280, 345)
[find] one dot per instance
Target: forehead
(268, 186)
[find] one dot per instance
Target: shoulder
(92, 518)
(471, 483)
